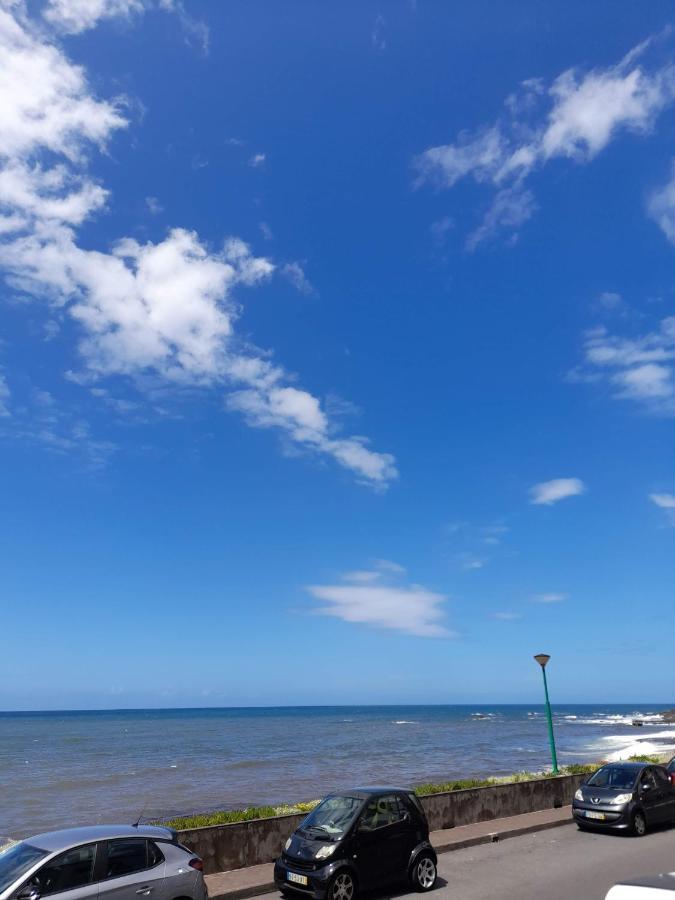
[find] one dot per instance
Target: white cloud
(661, 206)
(548, 492)
(378, 34)
(576, 117)
(257, 160)
(75, 16)
(163, 309)
(410, 609)
(296, 275)
(549, 598)
(153, 206)
(664, 501)
(362, 576)
(640, 368)
(4, 397)
(387, 566)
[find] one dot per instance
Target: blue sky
(336, 352)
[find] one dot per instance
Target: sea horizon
(67, 767)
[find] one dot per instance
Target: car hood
(305, 848)
(603, 794)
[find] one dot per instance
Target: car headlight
(621, 798)
(288, 843)
(325, 851)
(579, 795)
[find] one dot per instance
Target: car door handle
(144, 891)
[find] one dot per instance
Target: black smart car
(627, 796)
(359, 839)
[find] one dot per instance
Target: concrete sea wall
(225, 847)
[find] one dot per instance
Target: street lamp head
(542, 659)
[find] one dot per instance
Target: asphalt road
(558, 864)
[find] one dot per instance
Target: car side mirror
(406, 817)
(645, 787)
(29, 892)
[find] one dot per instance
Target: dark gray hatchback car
(625, 796)
(363, 838)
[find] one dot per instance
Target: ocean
(66, 768)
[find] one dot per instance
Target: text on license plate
(297, 879)
(594, 815)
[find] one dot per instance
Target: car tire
(342, 886)
(639, 824)
(423, 873)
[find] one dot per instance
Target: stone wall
(225, 847)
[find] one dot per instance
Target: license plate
(297, 879)
(594, 815)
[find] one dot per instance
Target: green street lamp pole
(542, 659)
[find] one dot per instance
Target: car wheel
(342, 887)
(423, 873)
(639, 824)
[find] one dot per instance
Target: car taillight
(197, 864)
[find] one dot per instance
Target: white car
(658, 887)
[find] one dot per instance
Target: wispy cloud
(165, 310)
(294, 272)
(386, 604)
(664, 501)
(4, 397)
(378, 34)
(153, 206)
(549, 598)
(257, 161)
(575, 117)
(506, 616)
(638, 368)
(547, 493)
(76, 16)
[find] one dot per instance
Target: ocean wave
(640, 748)
(403, 722)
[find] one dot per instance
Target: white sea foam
(403, 722)
(640, 748)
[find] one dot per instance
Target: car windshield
(618, 777)
(332, 818)
(15, 860)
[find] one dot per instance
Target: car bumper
(619, 819)
(317, 879)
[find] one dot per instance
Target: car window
(155, 855)
(16, 858)
(126, 857)
(71, 869)
(662, 779)
(332, 817)
(619, 777)
(415, 801)
(647, 778)
(379, 812)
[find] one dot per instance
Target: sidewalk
(249, 882)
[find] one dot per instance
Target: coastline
(229, 817)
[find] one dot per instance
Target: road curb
(266, 886)
(495, 836)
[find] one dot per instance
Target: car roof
(71, 837)
(630, 764)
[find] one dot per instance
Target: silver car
(104, 862)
